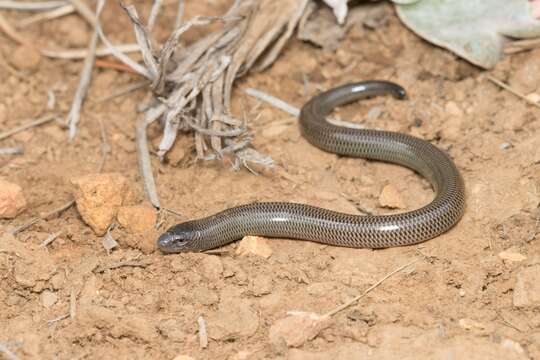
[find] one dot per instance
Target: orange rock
(137, 219)
(12, 200)
(145, 242)
(391, 198)
(98, 198)
(254, 245)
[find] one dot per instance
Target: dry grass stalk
(193, 84)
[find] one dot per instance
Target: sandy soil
(458, 301)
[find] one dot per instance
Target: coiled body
(300, 221)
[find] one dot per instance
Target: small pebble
(254, 245)
(391, 198)
(12, 201)
(98, 198)
(461, 292)
(505, 146)
(48, 298)
(137, 219)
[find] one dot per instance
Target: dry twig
(123, 91)
(368, 290)
(17, 150)
(48, 15)
(47, 216)
(30, 5)
(521, 45)
(200, 77)
(86, 74)
(50, 239)
(40, 121)
(72, 303)
(145, 165)
(512, 91)
(203, 336)
(274, 101)
(85, 12)
(83, 53)
(56, 319)
(6, 27)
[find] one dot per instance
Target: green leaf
(475, 30)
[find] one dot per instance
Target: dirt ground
(462, 299)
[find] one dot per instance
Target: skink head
(179, 238)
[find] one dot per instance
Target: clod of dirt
(98, 198)
(527, 289)
(137, 219)
(204, 296)
(211, 267)
(261, 285)
(12, 200)
(254, 245)
(48, 298)
(145, 242)
(34, 274)
(25, 58)
(297, 328)
(235, 319)
(452, 131)
(110, 323)
(512, 255)
(391, 198)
